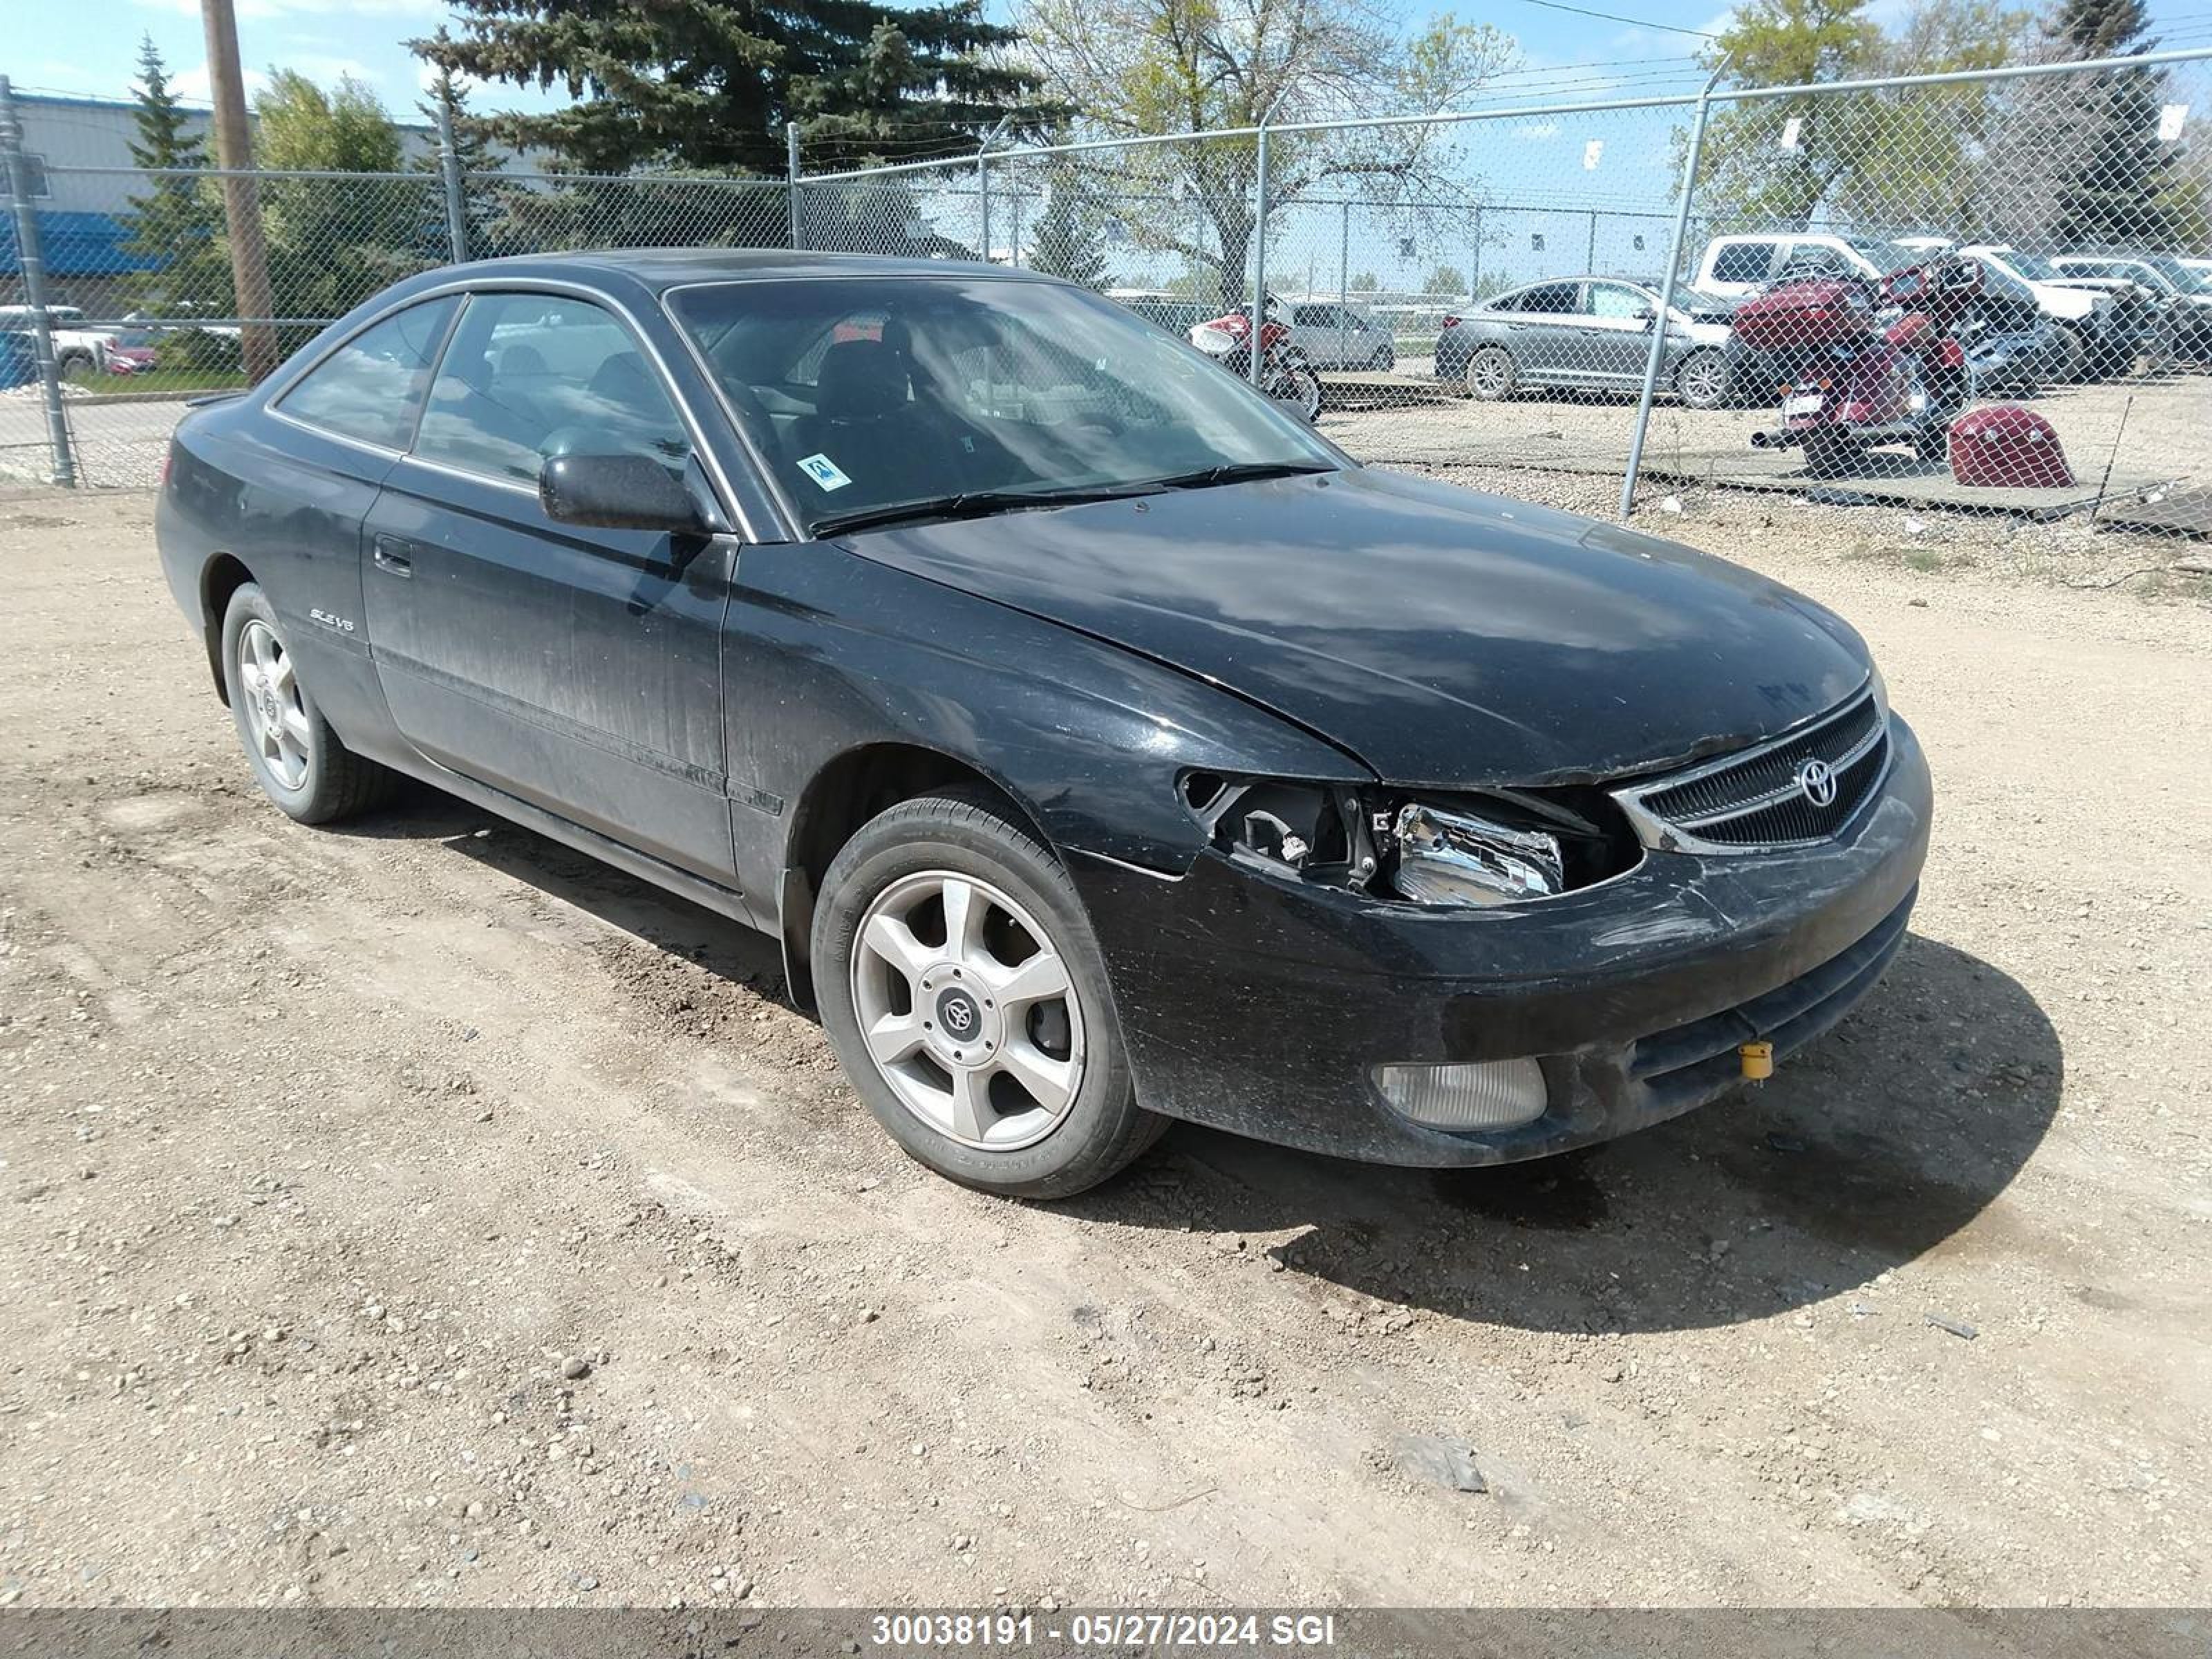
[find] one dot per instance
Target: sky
(92, 49)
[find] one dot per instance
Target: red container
(2005, 446)
(1819, 312)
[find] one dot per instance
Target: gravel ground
(417, 1214)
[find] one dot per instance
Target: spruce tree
(480, 206)
(1069, 239)
(2113, 199)
(175, 224)
(708, 84)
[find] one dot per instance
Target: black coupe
(1102, 746)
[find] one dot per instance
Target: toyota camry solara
(1102, 746)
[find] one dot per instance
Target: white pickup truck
(79, 352)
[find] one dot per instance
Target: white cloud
(325, 69)
(198, 87)
(262, 10)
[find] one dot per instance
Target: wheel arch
(844, 793)
(221, 576)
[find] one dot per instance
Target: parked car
(1102, 745)
(2100, 329)
(1336, 336)
(1586, 331)
(80, 352)
(1735, 266)
(2185, 296)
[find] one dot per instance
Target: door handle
(392, 555)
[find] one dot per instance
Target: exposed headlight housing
(1448, 857)
(1498, 846)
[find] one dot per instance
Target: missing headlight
(1314, 829)
(1493, 847)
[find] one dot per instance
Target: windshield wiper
(974, 504)
(1240, 473)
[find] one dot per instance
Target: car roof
(659, 268)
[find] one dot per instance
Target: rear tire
(1491, 375)
(298, 760)
(1827, 456)
(886, 957)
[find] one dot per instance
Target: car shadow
(1875, 1146)
(729, 949)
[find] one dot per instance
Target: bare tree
(1136, 68)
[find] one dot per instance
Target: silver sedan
(1587, 332)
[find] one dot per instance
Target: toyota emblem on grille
(1818, 780)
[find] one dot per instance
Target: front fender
(827, 652)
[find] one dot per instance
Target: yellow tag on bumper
(1757, 1060)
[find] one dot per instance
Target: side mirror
(1644, 314)
(618, 492)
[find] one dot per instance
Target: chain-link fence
(1977, 293)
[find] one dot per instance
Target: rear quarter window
(370, 389)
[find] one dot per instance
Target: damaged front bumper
(1265, 1005)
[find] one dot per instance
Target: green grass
(170, 380)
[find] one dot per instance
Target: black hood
(1442, 636)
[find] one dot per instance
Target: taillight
(1451, 321)
(168, 460)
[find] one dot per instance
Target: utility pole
(241, 202)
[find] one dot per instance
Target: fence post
(1658, 351)
(1343, 278)
(791, 181)
(1475, 261)
(449, 167)
(30, 254)
(1253, 349)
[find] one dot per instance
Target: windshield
(2028, 267)
(2187, 278)
(864, 394)
(1887, 257)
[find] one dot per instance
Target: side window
(371, 386)
(1314, 316)
(1554, 299)
(1743, 262)
(1616, 300)
(530, 376)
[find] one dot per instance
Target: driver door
(577, 669)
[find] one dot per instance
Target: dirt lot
(418, 1213)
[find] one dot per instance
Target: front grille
(1754, 798)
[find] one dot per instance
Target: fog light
(1484, 1094)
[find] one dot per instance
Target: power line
(1612, 17)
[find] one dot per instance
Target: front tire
(1299, 387)
(964, 993)
(297, 759)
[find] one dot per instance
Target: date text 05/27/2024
(955, 1631)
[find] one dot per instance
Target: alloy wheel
(275, 715)
(1702, 380)
(968, 1010)
(1489, 373)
